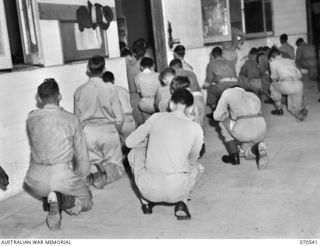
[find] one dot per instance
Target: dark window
(258, 16)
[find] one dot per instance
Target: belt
(228, 80)
(249, 116)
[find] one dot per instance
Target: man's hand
(205, 85)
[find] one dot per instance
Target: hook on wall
(172, 41)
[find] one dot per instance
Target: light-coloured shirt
(287, 51)
(218, 69)
(235, 102)
(174, 142)
(282, 68)
(147, 83)
(133, 69)
(56, 137)
(162, 99)
(97, 102)
(194, 84)
(124, 98)
(186, 65)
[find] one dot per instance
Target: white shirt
(174, 142)
(282, 68)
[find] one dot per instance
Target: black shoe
(181, 211)
(233, 159)
(98, 179)
(147, 208)
(268, 101)
(54, 214)
(277, 112)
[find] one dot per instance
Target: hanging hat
(104, 16)
(83, 18)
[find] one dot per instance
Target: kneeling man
(239, 113)
(59, 158)
(164, 155)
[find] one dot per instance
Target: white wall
(185, 17)
(17, 99)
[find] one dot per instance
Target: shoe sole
(55, 216)
(263, 158)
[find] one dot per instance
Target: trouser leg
(276, 94)
(230, 144)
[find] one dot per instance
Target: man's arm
(141, 133)
(197, 148)
(117, 110)
(299, 55)
(273, 71)
(76, 104)
(222, 111)
(80, 153)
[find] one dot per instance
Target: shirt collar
(52, 107)
(147, 70)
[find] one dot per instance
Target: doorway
(143, 19)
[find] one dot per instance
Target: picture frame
(216, 21)
(122, 29)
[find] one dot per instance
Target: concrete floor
(230, 201)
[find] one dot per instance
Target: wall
(17, 99)
(185, 16)
(50, 33)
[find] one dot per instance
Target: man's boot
(54, 214)
(302, 115)
(277, 111)
(233, 157)
(181, 211)
(260, 151)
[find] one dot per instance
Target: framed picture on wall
(122, 29)
(216, 21)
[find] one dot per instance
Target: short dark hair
(138, 51)
(126, 52)
(48, 89)
(182, 96)
(166, 71)
(273, 52)
(108, 77)
(216, 51)
(179, 82)
(299, 41)
(253, 51)
(284, 37)
(175, 62)
(146, 62)
(96, 65)
(180, 50)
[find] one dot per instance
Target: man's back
(250, 69)
(173, 139)
(52, 132)
(98, 102)
(218, 69)
(282, 68)
(194, 84)
(306, 55)
(147, 83)
(287, 51)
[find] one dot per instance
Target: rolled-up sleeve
(81, 157)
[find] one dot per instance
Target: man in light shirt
(59, 159)
(147, 83)
(240, 120)
(286, 79)
(220, 75)
(286, 50)
(98, 106)
(129, 124)
(164, 154)
(179, 52)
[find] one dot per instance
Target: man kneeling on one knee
(164, 154)
(239, 113)
(59, 158)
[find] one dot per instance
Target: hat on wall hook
(172, 41)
